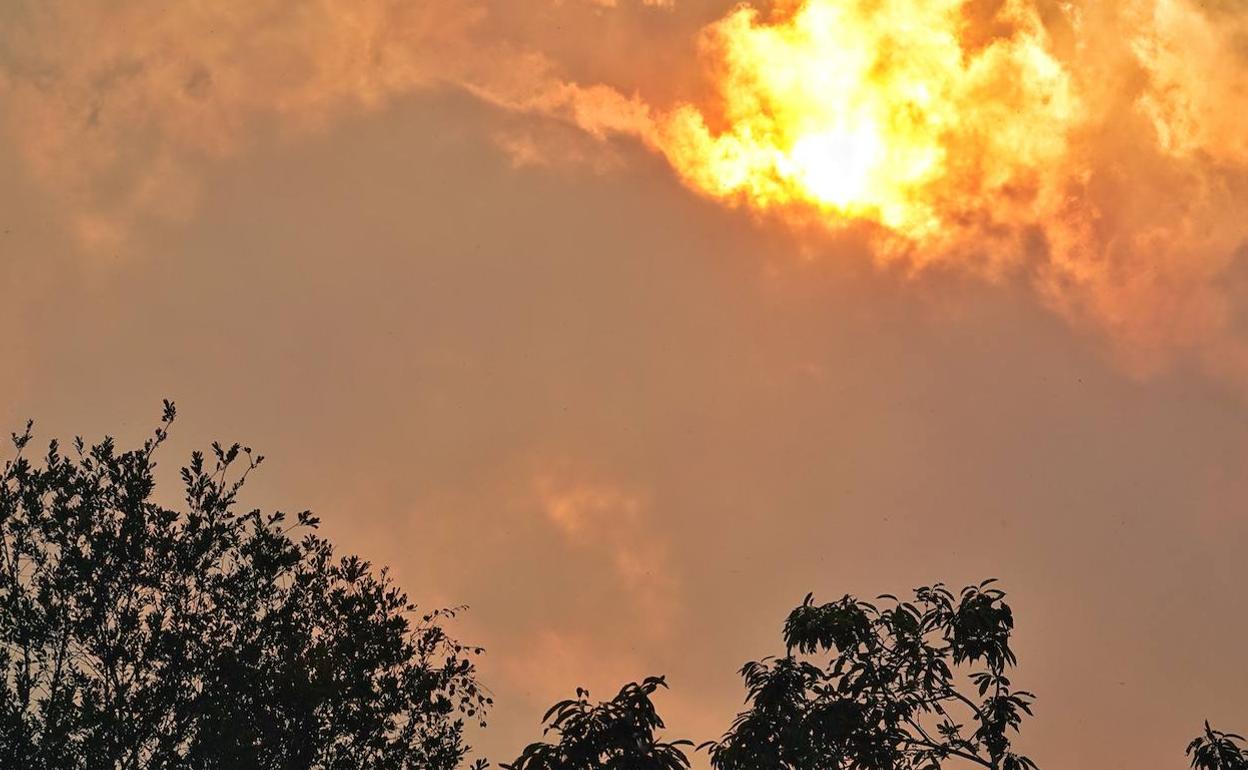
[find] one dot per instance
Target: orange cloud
(605, 517)
(1094, 150)
(115, 104)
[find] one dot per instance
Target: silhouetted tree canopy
(616, 735)
(906, 685)
(136, 636)
(894, 685)
(1215, 750)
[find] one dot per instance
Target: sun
(870, 109)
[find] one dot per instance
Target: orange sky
(462, 272)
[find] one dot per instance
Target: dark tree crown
(1216, 750)
(878, 687)
(136, 636)
(618, 734)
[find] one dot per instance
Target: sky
(629, 323)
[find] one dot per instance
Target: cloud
(1092, 150)
(606, 518)
(115, 105)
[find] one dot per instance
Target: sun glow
(872, 109)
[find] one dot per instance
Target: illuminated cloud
(604, 517)
(1094, 150)
(115, 105)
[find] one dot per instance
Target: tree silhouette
(888, 697)
(1216, 750)
(615, 735)
(135, 636)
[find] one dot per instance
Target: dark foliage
(892, 693)
(134, 636)
(1215, 750)
(615, 735)
(137, 637)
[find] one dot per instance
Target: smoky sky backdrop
(429, 258)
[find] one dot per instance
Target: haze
(437, 262)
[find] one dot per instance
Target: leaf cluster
(1216, 750)
(136, 636)
(618, 734)
(894, 685)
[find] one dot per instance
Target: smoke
(618, 524)
(1149, 245)
(117, 105)
(1094, 150)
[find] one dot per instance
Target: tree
(888, 697)
(1216, 750)
(136, 636)
(615, 735)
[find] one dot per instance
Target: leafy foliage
(888, 697)
(615, 735)
(1216, 750)
(134, 636)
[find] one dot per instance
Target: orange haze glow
(629, 322)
